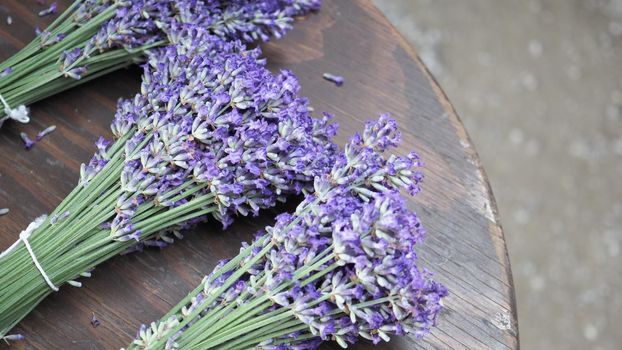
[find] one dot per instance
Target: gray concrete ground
(539, 87)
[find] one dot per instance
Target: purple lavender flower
(126, 31)
(212, 133)
(75, 73)
(13, 337)
(69, 57)
(338, 80)
(341, 267)
(45, 132)
(48, 11)
(94, 321)
(6, 72)
(233, 132)
(140, 23)
(28, 143)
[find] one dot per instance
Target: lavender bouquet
(208, 135)
(341, 267)
(95, 37)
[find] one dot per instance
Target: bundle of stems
(341, 267)
(212, 133)
(95, 37)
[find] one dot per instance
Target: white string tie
(23, 237)
(19, 114)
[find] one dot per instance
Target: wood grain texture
(465, 247)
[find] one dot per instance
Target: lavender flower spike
(109, 35)
(342, 267)
(212, 133)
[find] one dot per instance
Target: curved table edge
(472, 152)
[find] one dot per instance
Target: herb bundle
(211, 133)
(95, 37)
(341, 267)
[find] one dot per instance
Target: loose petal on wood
(465, 245)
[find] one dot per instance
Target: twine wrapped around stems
(23, 237)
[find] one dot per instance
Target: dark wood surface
(465, 247)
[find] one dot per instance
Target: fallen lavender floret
(341, 267)
(41, 134)
(94, 321)
(94, 37)
(207, 136)
(49, 11)
(12, 337)
(338, 80)
(28, 143)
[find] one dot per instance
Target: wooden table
(465, 245)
